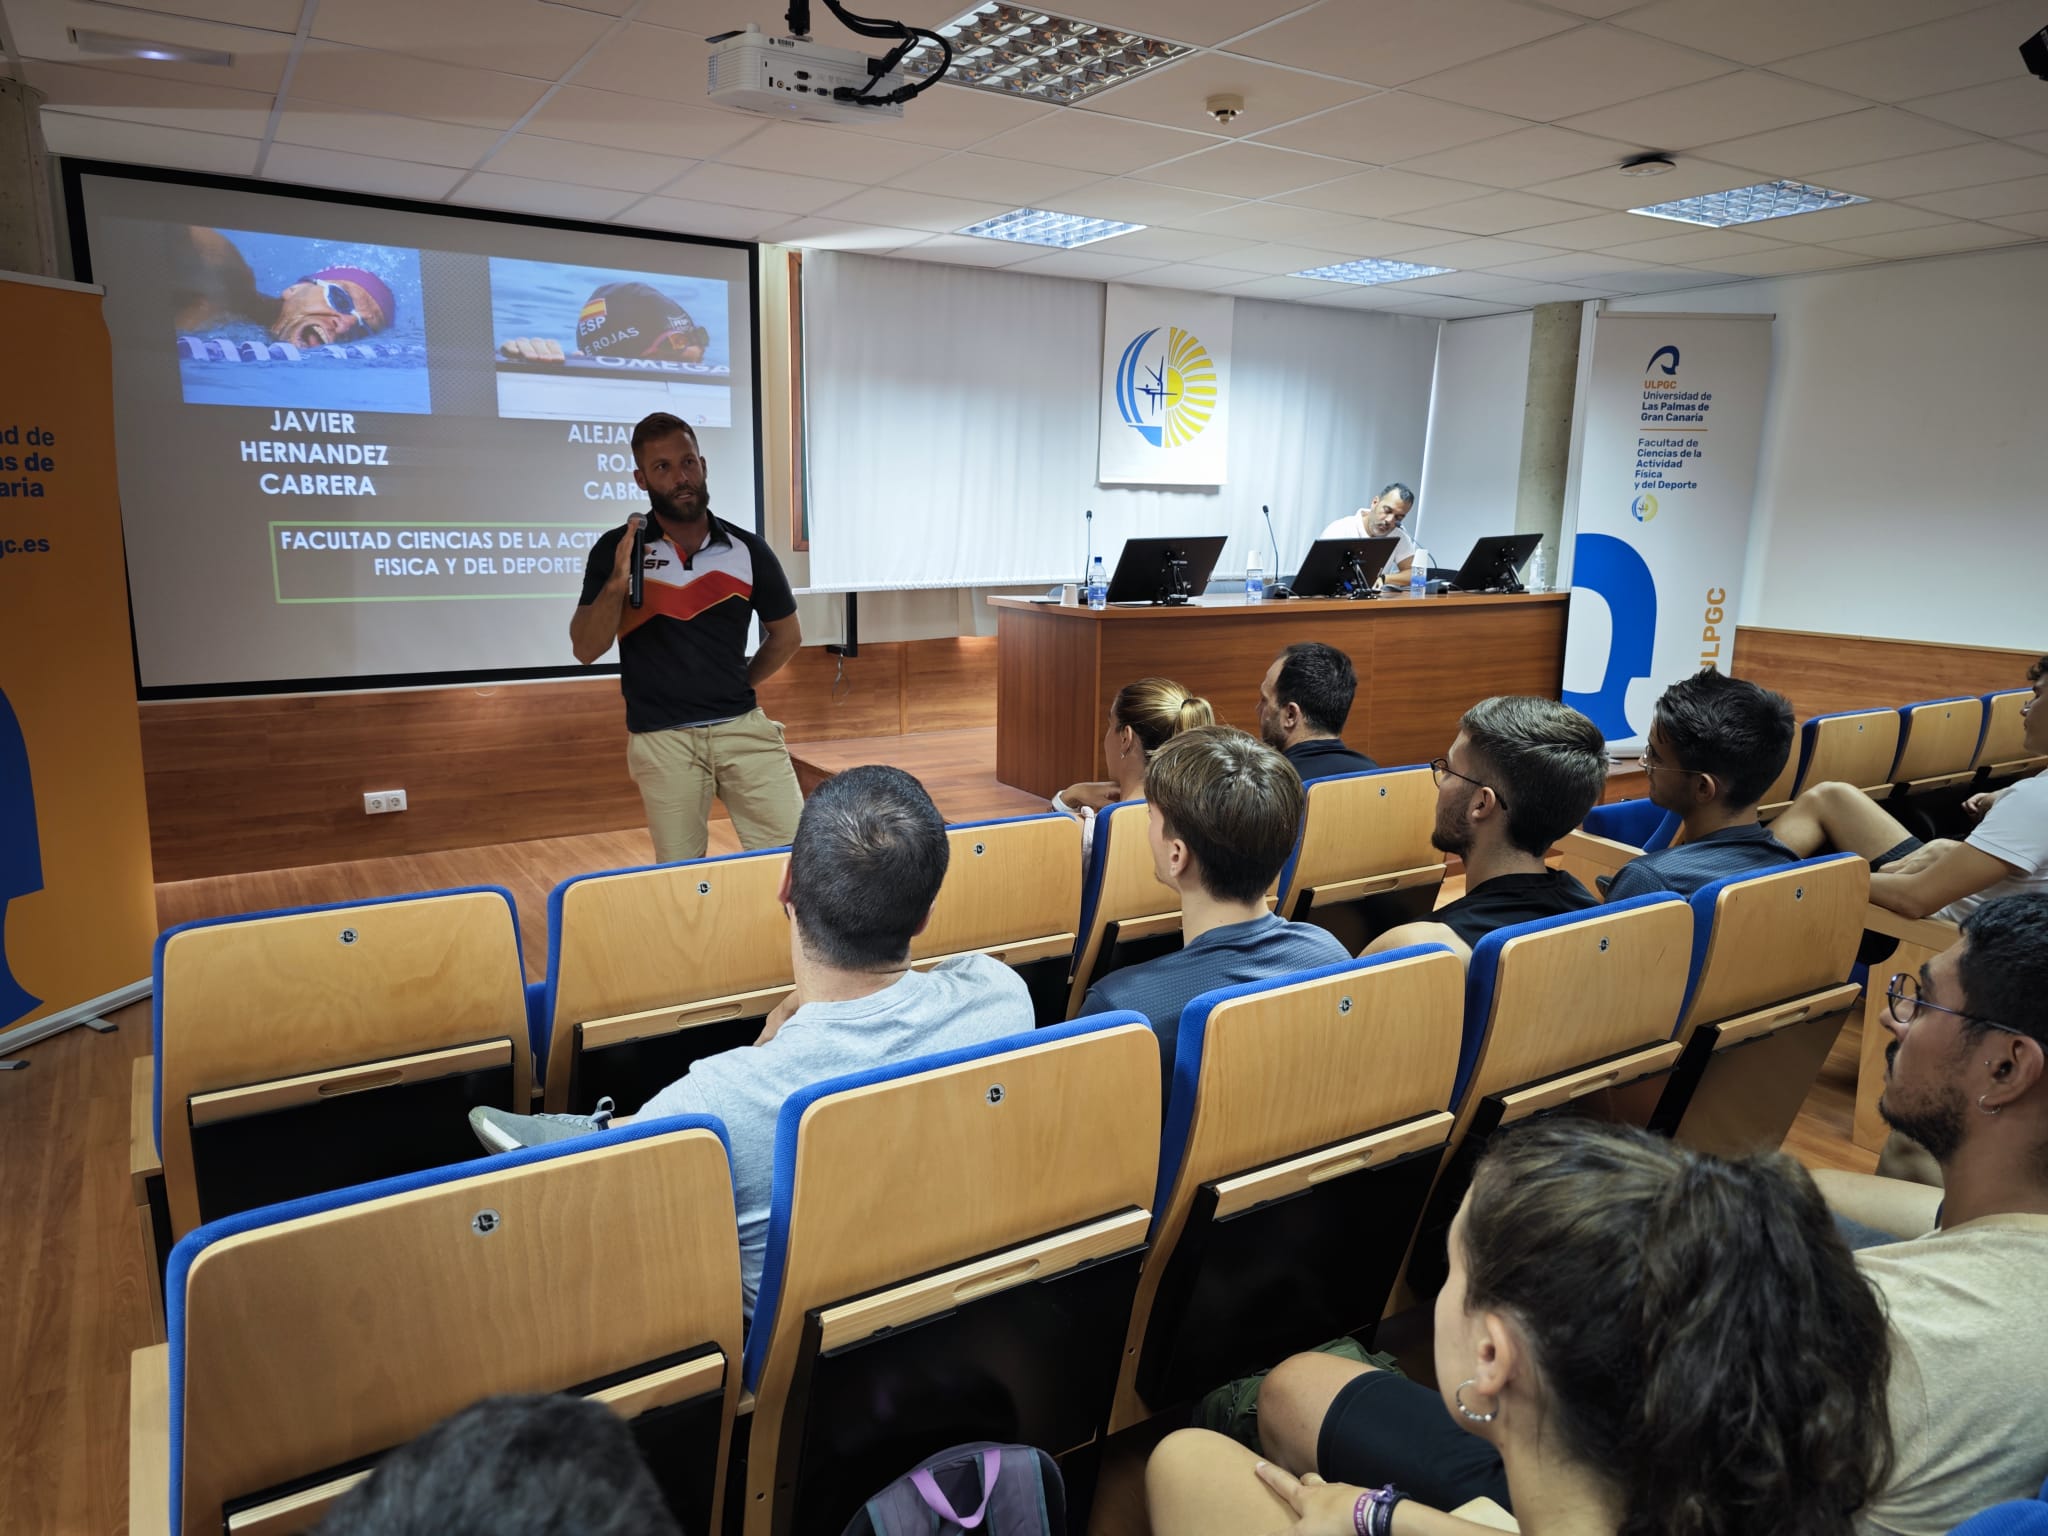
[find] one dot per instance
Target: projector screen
(363, 443)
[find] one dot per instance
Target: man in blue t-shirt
(1223, 811)
(1716, 743)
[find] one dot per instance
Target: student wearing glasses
(1521, 774)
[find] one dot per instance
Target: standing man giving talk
(694, 727)
(1381, 520)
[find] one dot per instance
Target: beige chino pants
(743, 762)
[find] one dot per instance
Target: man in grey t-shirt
(869, 856)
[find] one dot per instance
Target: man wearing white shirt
(1382, 520)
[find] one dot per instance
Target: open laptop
(1343, 567)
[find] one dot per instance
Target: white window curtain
(952, 416)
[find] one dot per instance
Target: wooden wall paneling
(815, 702)
(1822, 674)
(950, 685)
(1430, 667)
(1045, 720)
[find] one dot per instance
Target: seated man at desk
(1382, 519)
(1521, 774)
(1304, 701)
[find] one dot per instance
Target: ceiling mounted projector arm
(906, 36)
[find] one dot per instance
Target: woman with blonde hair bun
(1143, 717)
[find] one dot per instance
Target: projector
(793, 77)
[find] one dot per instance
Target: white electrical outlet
(380, 801)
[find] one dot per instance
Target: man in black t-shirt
(1522, 773)
(695, 730)
(1304, 701)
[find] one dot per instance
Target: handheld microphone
(636, 575)
(1279, 588)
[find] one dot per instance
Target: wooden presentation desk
(1422, 662)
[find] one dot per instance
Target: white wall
(1902, 489)
(1472, 464)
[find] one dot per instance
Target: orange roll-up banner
(77, 904)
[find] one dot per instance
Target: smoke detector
(1647, 165)
(1224, 109)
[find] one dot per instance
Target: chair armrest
(149, 1441)
(1925, 932)
(144, 1161)
(1603, 852)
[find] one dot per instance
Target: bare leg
(1293, 1402)
(1201, 1484)
(1837, 816)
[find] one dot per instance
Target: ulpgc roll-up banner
(1667, 476)
(1165, 388)
(77, 905)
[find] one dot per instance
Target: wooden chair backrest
(1854, 748)
(1012, 888)
(289, 994)
(1129, 892)
(2005, 732)
(1578, 993)
(324, 1338)
(1938, 740)
(1364, 827)
(1779, 795)
(1780, 936)
(673, 937)
(916, 1174)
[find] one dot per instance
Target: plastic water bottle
(1098, 586)
(1418, 574)
(1539, 570)
(1254, 580)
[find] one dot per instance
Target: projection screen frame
(72, 172)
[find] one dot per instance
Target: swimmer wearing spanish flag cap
(622, 320)
(212, 282)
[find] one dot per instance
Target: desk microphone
(636, 575)
(1279, 588)
(1088, 560)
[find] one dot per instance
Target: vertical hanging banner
(1165, 388)
(1667, 477)
(77, 904)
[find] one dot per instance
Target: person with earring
(1633, 1337)
(1143, 717)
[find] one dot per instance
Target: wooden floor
(72, 1298)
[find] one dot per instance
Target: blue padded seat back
(1301, 835)
(788, 1130)
(199, 1239)
(1484, 969)
(1187, 1055)
(1638, 823)
(156, 1016)
(1706, 901)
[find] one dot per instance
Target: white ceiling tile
(1488, 285)
(1173, 96)
(1935, 240)
(528, 154)
(391, 82)
(271, 15)
(41, 31)
(644, 60)
(1017, 182)
(1593, 234)
(1846, 223)
(1170, 244)
(2004, 109)
(969, 251)
(640, 122)
(1944, 170)
(108, 138)
(358, 131)
(1278, 221)
(2037, 142)
(1945, 55)
(1382, 237)
(1523, 157)
(1578, 267)
(898, 209)
(522, 194)
(1611, 189)
(1086, 143)
(313, 167)
(1279, 288)
(1189, 276)
(1457, 309)
(682, 216)
(1205, 22)
(1144, 202)
(1746, 102)
(1084, 264)
(1662, 280)
(1375, 194)
(1999, 200)
(1273, 260)
(1390, 42)
(1463, 255)
(954, 117)
(1501, 212)
(1855, 138)
(138, 99)
(2035, 224)
(1683, 245)
(515, 37)
(1758, 31)
(1785, 260)
(1247, 170)
(822, 234)
(805, 149)
(740, 187)
(1394, 125)
(1571, 73)
(705, 17)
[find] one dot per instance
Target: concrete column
(1547, 426)
(28, 231)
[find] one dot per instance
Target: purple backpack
(982, 1489)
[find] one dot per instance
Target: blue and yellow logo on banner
(1167, 393)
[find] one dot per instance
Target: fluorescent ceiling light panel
(1017, 50)
(116, 46)
(1751, 205)
(1373, 271)
(1035, 226)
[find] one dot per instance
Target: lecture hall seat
(1127, 916)
(1938, 741)
(2002, 753)
(1364, 862)
(308, 1339)
(1013, 892)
